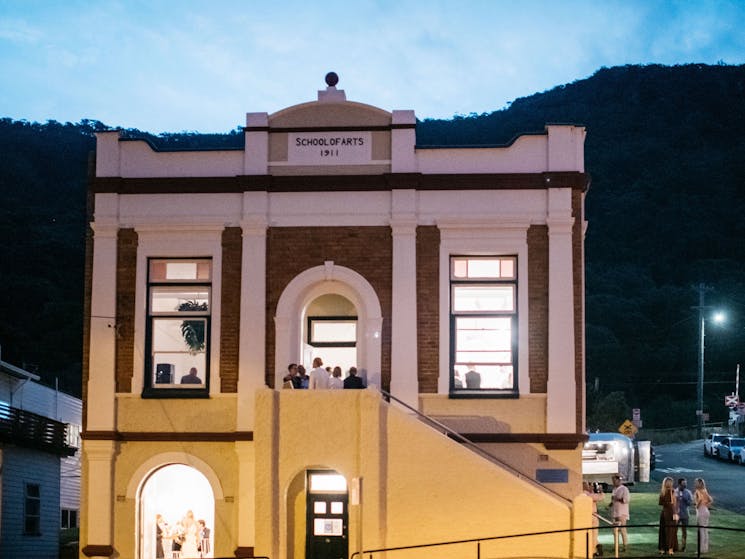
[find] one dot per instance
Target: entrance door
(327, 516)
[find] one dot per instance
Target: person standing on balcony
(335, 382)
(319, 377)
(302, 379)
(353, 381)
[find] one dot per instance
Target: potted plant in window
(193, 330)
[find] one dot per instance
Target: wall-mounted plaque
(329, 148)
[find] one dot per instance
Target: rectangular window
(483, 318)
(179, 307)
(69, 519)
(32, 510)
(332, 331)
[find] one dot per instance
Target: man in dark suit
(353, 381)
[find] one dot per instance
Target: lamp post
(700, 386)
(718, 317)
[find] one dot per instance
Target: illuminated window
(483, 318)
(329, 331)
(327, 483)
(179, 312)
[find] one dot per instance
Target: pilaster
(252, 352)
(561, 403)
(404, 379)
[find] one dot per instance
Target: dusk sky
(172, 66)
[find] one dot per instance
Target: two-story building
(451, 278)
(39, 464)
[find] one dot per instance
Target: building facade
(39, 464)
(451, 278)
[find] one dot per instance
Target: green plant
(193, 330)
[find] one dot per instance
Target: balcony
(30, 430)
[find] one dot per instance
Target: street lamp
(718, 317)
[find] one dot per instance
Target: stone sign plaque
(329, 148)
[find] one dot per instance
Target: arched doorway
(173, 501)
(306, 289)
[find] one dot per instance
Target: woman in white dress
(191, 537)
(703, 501)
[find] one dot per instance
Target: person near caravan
(619, 505)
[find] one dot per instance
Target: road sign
(636, 415)
(731, 400)
(627, 428)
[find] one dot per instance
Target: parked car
(730, 447)
(711, 443)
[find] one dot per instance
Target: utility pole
(702, 288)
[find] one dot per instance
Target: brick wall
(538, 306)
(366, 250)
(232, 249)
(428, 306)
(126, 276)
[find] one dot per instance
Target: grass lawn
(723, 544)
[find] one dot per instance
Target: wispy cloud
(168, 66)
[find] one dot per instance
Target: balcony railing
(30, 430)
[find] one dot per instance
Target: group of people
(186, 539)
(675, 503)
(320, 377)
(674, 515)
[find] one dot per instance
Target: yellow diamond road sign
(627, 428)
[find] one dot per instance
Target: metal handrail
(529, 534)
(474, 447)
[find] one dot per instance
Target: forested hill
(666, 211)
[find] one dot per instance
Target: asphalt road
(725, 480)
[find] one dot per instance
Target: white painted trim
(174, 243)
(462, 239)
(142, 473)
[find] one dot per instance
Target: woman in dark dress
(668, 538)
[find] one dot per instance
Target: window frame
(29, 516)
(513, 315)
(69, 519)
(150, 388)
(314, 343)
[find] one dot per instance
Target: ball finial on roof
(332, 79)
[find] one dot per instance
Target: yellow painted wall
(215, 414)
(418, 485)
(526, 414)
(217, 461)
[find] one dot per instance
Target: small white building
(39, 465)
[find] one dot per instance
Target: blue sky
(173, 65)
